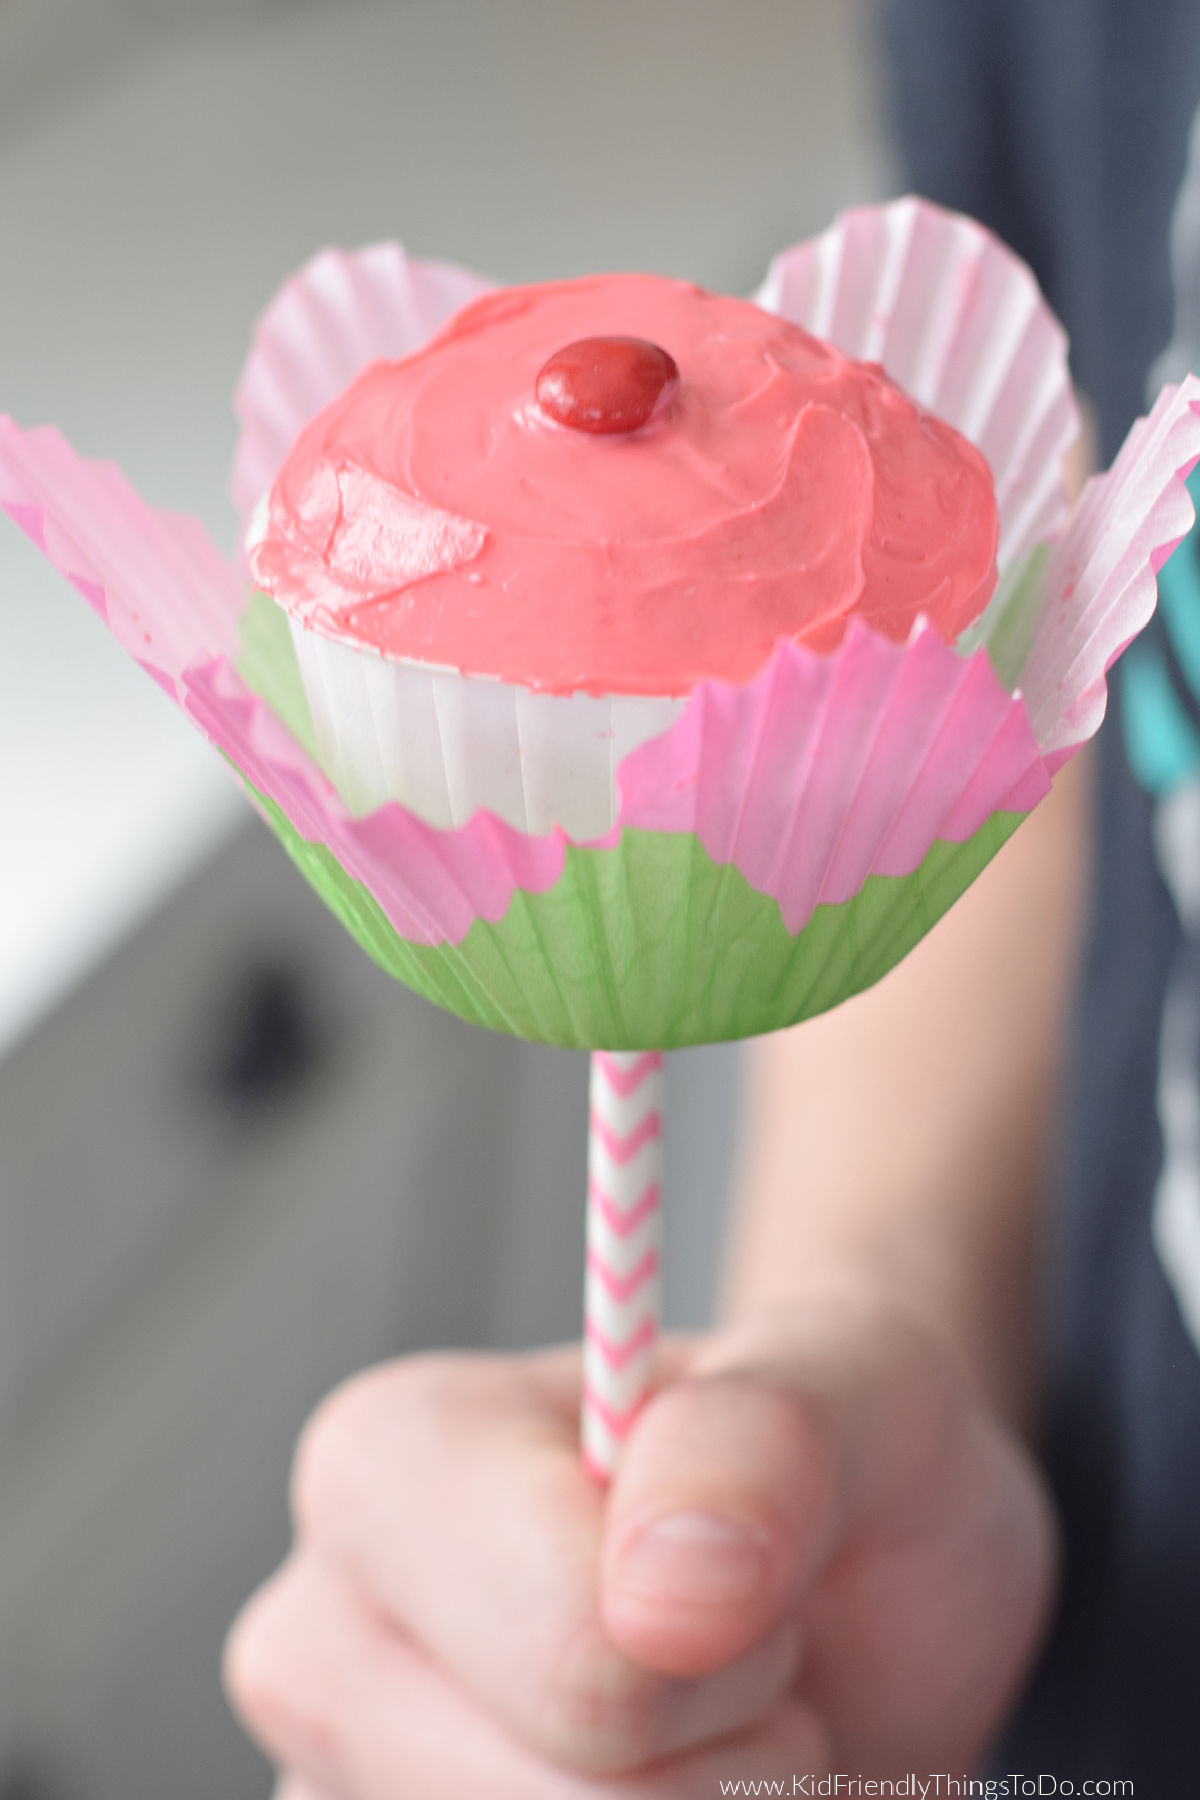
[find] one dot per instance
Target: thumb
(722, 1509)
(741, 1481)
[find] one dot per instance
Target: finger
(739, 1480)
(358, 1711)
(453, 1491)
(296, 1790)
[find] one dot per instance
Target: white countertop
(158, 179)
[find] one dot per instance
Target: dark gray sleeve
(1182, 354)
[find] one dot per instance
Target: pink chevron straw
(621, 1294)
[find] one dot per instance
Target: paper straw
(621, 1298)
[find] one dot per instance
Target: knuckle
(249, 1678)
(322, 1467)
(288, 1718)
(764, 1406)
(245, 1674)
(399, 1401)
(256, 1678)
(929, 1389)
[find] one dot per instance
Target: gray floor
(192, 1252)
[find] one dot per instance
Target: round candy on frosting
(606, 384)
(746, 483)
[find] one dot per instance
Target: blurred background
(236, 1162)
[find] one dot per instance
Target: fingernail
(695, 1558)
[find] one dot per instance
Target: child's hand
(819, 1554)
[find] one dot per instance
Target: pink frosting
(434, 512)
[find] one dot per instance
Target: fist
(819, 1553)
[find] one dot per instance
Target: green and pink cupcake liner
(781, 843)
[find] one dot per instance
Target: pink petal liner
(1100, 580)
(959, 322)
(819, 772)
(334, 316)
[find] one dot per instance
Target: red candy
(606, 384)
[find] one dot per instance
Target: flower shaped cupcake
(761, 844)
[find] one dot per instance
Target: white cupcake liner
(951, 315)
(445, 746)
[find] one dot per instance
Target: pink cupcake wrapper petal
(432, 885)
(1100, 581)
(339, 312)
(155, 578)
(958, 321)
(826, 769)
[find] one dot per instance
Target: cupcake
(508, 558)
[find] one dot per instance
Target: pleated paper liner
(445, 746)
(959, 323)
(325, 324)
(778, 847)
(949, 312)
(156, 579)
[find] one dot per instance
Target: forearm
(903, 1139)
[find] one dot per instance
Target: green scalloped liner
(650, 945)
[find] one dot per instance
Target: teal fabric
(1179, 596)
(1161, 740)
